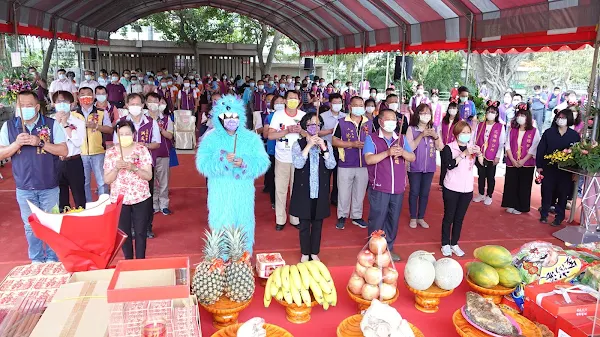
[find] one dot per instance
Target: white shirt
(65, 85)
(257, 120)
(533, 149)
(170, 127)
(77, 136)
(89, 84)
(501, 140)
(145, 119)
(137, 88)
(330, 122)
(186, 91)
(283, 146)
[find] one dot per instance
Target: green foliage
(584, 156)
(443, 71)
(564, 69)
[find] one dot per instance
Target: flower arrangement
(11, 87)
(583, 155)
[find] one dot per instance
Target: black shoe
(340, 223)
(556, 223)
(544, 219)
(552, 210)
(273, 205)
(360, 223)
(395, 257)
(150, 234)
(279, 227)
(166, 211)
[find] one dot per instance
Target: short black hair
(335, 96)
(568, 113)
(390, 96)
(556, 88)
(308, 116)
(370, 100)
(61, 69)
(355, 98)
(86, 88)
(124, 123)
(29, 93)
(134, 95)
(153, 94)
(100, 87)
(382, 112)
(63, 93)
(536, 87)
(373, 89)
(462, 89)
(287, 93)
(517, 94)
(113, 73)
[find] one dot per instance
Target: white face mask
(153, 106)
(337, 107)
(297, 88)
(521, 120)
(575, 114)
(561, 122)
(88, 77)
(279, 107)
(61, 76)
(135, 110)
(389, 126)
(114, 78)
(420, 91)
(170, 83)
(261, 87)
(425, 118)
(186, 85)
(452, 112)
(490, 116)
(370, 109)
(393, 106)
(162, 107)
(435, 99)
(101, 98)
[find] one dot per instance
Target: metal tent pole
(402, 68)
(362, 70)
(469, 48)
(387, 70)
(334, 65)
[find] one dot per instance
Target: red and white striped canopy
(323, 27)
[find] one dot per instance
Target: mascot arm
(255, 159)
(211, 160)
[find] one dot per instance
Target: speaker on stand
(408, 67)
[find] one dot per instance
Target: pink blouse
(133, 188)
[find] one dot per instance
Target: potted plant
(582, 157)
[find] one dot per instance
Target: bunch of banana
(295, 283)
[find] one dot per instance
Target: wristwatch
(41, 144)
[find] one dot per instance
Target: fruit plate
(495, 294)
(297, 314)
(350, 327)
(365, 304)
(428, 300)
(272, 331)
(510, 319)
(465, 329)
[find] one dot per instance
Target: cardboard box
(267, 263)
(542, 306)
(78, 309)
(577, 326)
(150, 280)
(92, 275)
(33, 281)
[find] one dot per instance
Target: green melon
(495, 256)
(482, 274)
(509, 276)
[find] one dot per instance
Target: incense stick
(22, 119)
(120, 147)
(234, 143)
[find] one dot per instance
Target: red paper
(577, 326)
(84, 243)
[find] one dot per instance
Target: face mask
(135, 110)
(575, 114)
(393, 106)
(370, 109)
(231, 124)
(193, 85)
(435, 99)
(425, 118)
(252, 84)
(420, 91)
(64, 107)
(101, 98)
(148, 73)
(153, 106)
(170, 83)
(507, 100)
(88, 77)
(490, 116)
(224, 78)
(297, 87)
(559, 121)
(126, 141)
(336, 107)
(322, 84)
(463, 99)
(389, 126)
(312, 129)
(28, 113)
(289, 80)
(162, 107)
(358, 110)
(515, 102)
(159, 77)
(279, 107)
(86, 100)
(114, 78)
(101, 81)
(373, 95)
(261, 87)
(521, 120)
(293, 103)
(127, 75)
(61, 76)
(271, 82)
(350, 88)
(191, 77)
(452, 112)
(464, 137)
(337, 85)
(135, 81)
(282, 85)
(186, 85)
(163, 84)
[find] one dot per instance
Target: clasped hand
(123, 165)
(237, 162)
(316, 140)
(25, 139)
(395, 151)
(429, 132)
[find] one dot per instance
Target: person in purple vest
(187, 98)
(117, 94)
(425, 142)
(436, 108)
(466, 107)
(490, 137)
(458, 157)
(392, 104)
(156, 107)
(417, 100)
(521, 148)
(34, 143)
(147, 133)
(353, 178)
(445, 131)
(386, 154)
(258, 99)
(347, 96)
(165, 93)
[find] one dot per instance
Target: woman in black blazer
(313, 158)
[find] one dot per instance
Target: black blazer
(300, 203)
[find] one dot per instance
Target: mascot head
(229, 114)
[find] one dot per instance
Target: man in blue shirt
(33, 146)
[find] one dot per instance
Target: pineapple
(209, 278)
(238, 273)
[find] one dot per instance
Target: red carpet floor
(181, 235)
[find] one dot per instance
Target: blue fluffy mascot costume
(231, 188)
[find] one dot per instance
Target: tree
(565, 69)
(443, 71)
(498, 70)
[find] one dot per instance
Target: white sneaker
(516, 212)
(510, 210)
(423, 223)
(487, 201)
(446, 250)
(304, 258)
(413, 223)
(315, 257)
(478, 198)
(457, 251)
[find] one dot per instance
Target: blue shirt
(57, 130)
(270, 89)
(270, 143)
(247, 95)
(370, 146)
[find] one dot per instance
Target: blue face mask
(28, 113)
(358, 110)
(63, 107)
(464, 137)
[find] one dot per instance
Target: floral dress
(133, 188)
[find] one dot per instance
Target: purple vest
(491, 146)
(353, 157)
(424, 100)
(519, 152)
(389, 175)
(187, 100)
(166, 94)
(259, 101)
(437, 115)
(425, 154)
(447, 134)
(348, 96)
(32, 167)
(466, 110)
(165, 144)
